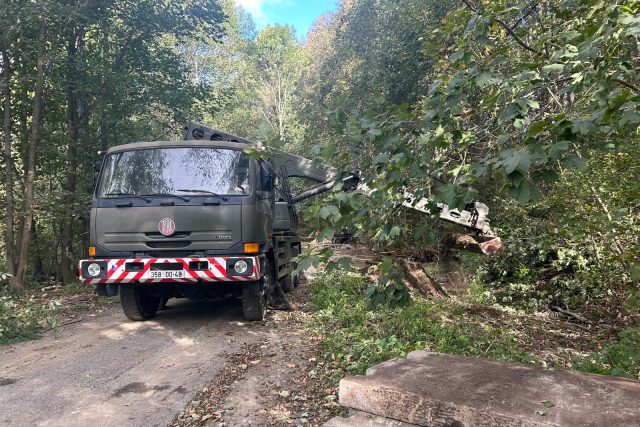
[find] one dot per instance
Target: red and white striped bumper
(152, 270)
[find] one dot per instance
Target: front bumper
(170, 270)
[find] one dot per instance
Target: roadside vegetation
(43, 307)
(355, 336)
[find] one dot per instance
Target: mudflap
(107, 289)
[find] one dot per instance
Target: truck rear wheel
(295, 280)
(138, 302)
(287, 283)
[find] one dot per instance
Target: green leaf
(524, 192)
(526, 103)
(583, 127)
(485, 79)
(517, 160)
(330, 211)
(553, 69)
(380, 158)
(538, 127)
(394, 232)
(629, 117)
(447, 193)
(456, 56)
(558, 149)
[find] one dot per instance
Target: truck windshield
(185, 171)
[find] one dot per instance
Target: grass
(356, 338)
(620, 359)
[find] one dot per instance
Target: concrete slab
(431, 389)
(360, 419)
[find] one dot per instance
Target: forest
(531, 107)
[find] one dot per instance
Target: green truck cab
(187, 219)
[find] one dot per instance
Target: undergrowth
(24, 316)
(357, 337)
(621, 359)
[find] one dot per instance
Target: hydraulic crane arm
(474, 217)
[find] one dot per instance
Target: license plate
(166, 274)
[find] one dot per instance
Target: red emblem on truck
(166, 226)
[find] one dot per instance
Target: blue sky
(299, 13)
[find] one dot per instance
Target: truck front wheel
(254, 296)
(254, 302)
(139, 302)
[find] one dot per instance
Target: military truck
(201, 218)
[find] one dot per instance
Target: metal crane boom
(474, 217)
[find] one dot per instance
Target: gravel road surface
(108, 371)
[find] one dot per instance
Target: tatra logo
(166, 227)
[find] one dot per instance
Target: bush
(620, 359)
(356, 337)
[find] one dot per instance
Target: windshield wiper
(195, 190)
(186, 199)
(139, 196)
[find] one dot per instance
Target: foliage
(259, 74)
(356, 337)
(576, 254)
(533, 108)
(389, 290)
(22, 319)
(619, 359)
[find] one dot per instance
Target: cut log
(431, 389)
(419, 279)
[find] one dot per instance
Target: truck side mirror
(97, 166)
(266, 176)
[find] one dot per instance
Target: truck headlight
(241, 266)
(94, 269)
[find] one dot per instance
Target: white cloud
(256, 8)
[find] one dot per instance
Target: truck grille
(167, 266)
(178, 235)
(168, 245)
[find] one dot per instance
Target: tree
(280, 63)
(119, 71)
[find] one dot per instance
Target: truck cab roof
(141, 145)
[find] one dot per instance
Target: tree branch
(508, 30)
(521, 42)
(627, 85)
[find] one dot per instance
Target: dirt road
(107, 371)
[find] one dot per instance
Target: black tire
(295, 280)
(287, 283)
(254, 302)
(254, 296)
(138, 302)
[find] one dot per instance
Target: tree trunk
(20, 278)
(70, 187)
(8, 159)
(37, 267)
